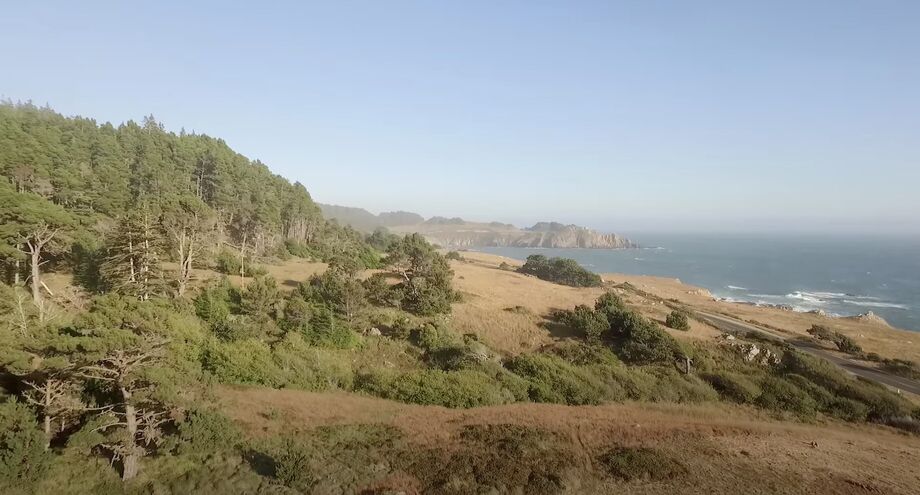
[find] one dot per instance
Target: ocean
(841, 275)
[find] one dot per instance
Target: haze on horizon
(634, 116)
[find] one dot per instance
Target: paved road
(732, 325)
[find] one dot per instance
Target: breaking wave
(735, 287)
(869, 304)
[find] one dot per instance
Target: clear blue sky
(639, 115)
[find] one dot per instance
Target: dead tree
(140, 419)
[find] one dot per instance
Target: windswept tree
(426, 287)
(31, 227)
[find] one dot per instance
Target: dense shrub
(563, 271)
(733, 386)
(783, 396)
(644, 342)
(261, 297)
(551, 379)
(213, 304)
(309, 368)
(609, 302)
(244, 361)
(678, 320)
(882, 404)
(591, 324)
(23, 459)
(379, 292)
(326, 330)
(292, 464)
(464, 388)
(453, 255)
(204, 431)
(336, 289)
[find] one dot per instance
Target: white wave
(807, 297)
(735, 287)
(639, 259)
(875, 304)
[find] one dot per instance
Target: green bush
(261, 297)
(292, 464)
(639, 463)
(23, 458)
(783, 396)
(562, 271)
(678, 320)
(309, 368)
(214, 303)
(459, 389)
(733, 386)
(227, 263)
(244, 361)
(585, 354)
(645, 343)
(335, 289)
(325, 330)
(843, 342)
(204, 431)
(591, 324)
(379, 292)
(554, 380)
(453, 255)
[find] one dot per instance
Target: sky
(623, 116)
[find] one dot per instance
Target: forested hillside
(93, 183)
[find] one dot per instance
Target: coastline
(871, 334)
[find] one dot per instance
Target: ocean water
(841, 275)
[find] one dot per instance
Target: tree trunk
(130, 461)
(47, 417)
(35, 251)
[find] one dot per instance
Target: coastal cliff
(542, 235)
(457, 233)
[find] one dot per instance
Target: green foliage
(640, 463)
(23, 459)
(843, 342)
(381, 239)
(645, 342)
(459, 389)
(227, 263)
(551, 379)
(734, 386)
(678, 320)
(783, 396)
(563, 271)
(292, 464)
(243, 361)
(261, 297)
(426, 288)
(609, 302)
(453, 255)
(593, 325)
(326, 330)
(336, 289)
(205, 431)
(305, 367)
(379, 292)
(213, 304)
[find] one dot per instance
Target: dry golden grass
(728, 448)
